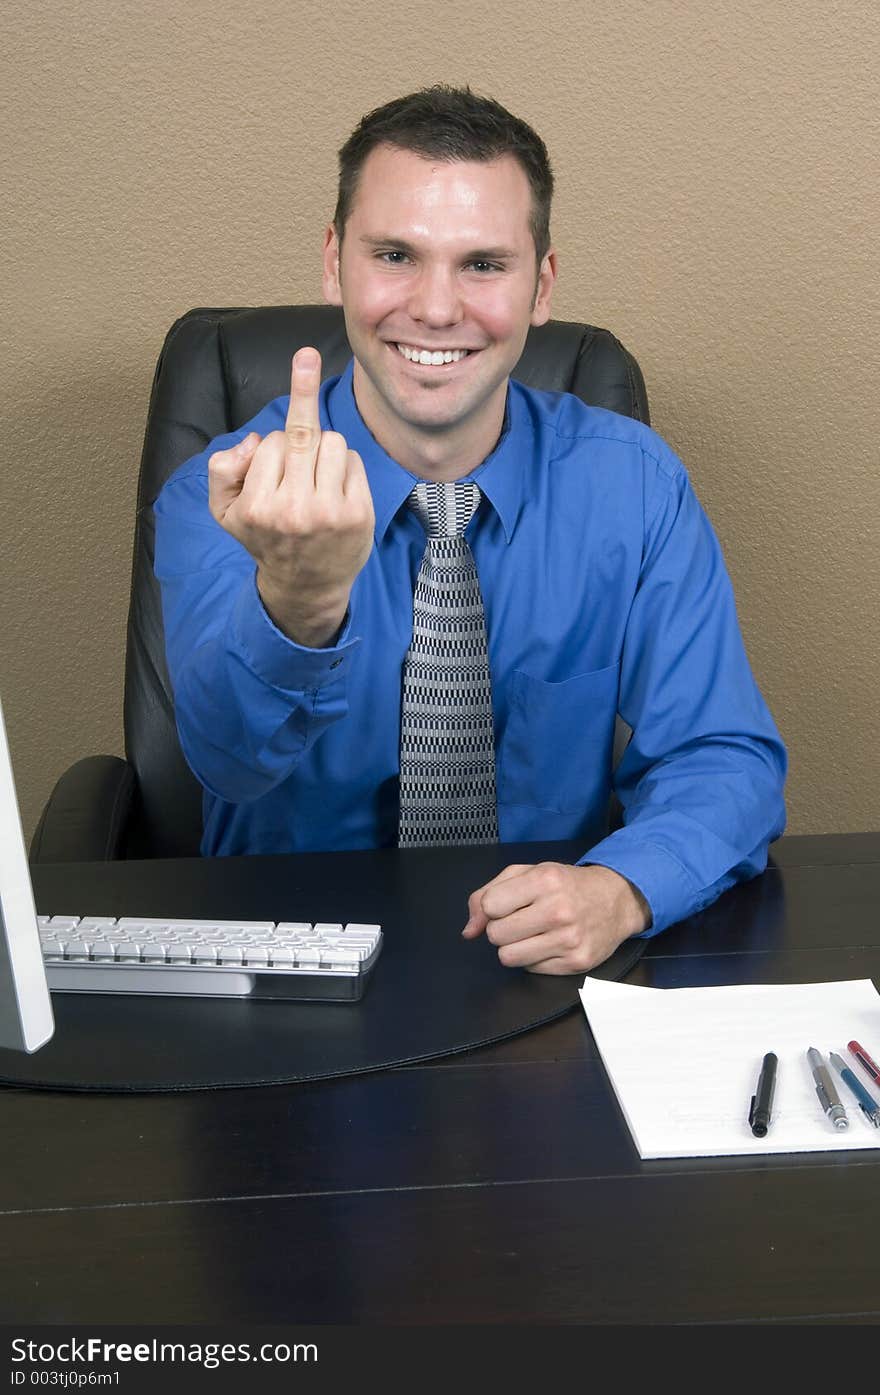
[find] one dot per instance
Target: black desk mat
(431, 993)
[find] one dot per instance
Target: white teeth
(426, 357)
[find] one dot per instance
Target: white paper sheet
(684, 1062)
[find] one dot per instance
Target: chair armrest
(86, 815)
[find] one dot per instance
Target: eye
(395, 252)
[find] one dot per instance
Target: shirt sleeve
(701, 781)
(249, 702)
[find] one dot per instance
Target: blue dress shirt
(605, 592)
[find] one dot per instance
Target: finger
(227, 471)
(478, 919)
(538, 951)
(266, 469)
(303, 424)
(331, 465)
(356, 489)
(356, 485)
(519, 925)
(507, 894)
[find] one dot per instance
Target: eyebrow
(478, 254)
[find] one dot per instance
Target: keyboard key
(340, 958)
(308, 956)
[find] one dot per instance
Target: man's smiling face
(437, 258)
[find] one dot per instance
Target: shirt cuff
(277, 659)
(665, 884)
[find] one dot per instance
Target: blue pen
(867, 1104)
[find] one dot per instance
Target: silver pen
(828, 1096)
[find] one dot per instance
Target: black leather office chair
(216, 370)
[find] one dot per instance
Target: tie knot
(444, 510)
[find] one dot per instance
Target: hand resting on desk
(552, 918)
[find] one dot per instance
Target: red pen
(864, 1060)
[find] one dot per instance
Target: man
(289, 553)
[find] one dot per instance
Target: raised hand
(299, 501)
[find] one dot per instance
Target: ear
(546, 281)
(331, 283)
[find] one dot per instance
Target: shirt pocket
(556, 751)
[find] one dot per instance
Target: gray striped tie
(447, 744)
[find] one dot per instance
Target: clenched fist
(299, 501)
(553, 918)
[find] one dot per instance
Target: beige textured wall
(717, 208)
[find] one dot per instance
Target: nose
(435, 298)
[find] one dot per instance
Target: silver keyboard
(208, 958)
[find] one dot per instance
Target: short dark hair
(449, 123)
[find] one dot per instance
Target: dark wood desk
(495, 1186)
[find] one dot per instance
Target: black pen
(762, 1101)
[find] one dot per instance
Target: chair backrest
(217, 368)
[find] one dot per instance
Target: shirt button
(336, 663)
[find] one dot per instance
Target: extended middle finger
(303, 425)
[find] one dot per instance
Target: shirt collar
(500, 476)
